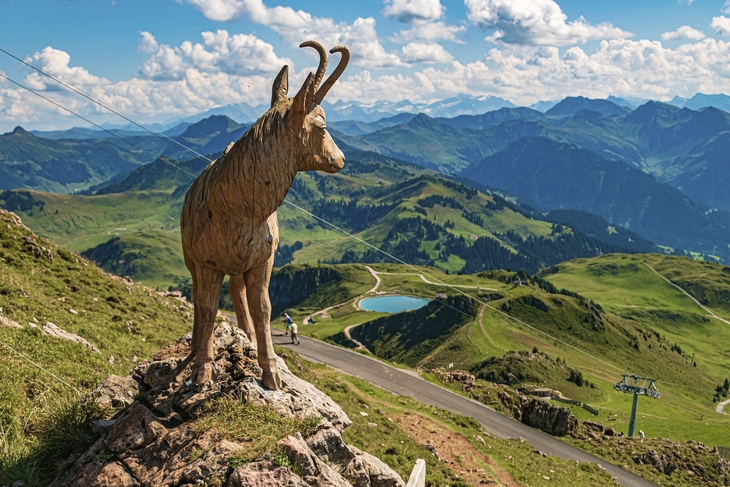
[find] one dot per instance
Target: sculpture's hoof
(203, 373)
(271, 379)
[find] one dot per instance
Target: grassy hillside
(27, 161)
(563, 334)
(82, 222)
(42, 426)
(41, 282)
(151, 257)
(627, 286)
(401, 208)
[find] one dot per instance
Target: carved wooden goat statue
(229, 224)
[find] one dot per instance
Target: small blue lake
(393, 304)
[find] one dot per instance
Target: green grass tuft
(258, 428)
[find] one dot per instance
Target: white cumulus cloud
(721, 24)
(684, 32)
(295, 26)
(535, 22)
(56, 62)
(220, 10)
(410, 11)
(419, 52)
(147, 43)
(431, 31)
(239, 54)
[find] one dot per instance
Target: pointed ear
(281, 86)
(303, 100)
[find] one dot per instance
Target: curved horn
(322, 60)
(322, 92)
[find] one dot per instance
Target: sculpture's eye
(319, 122)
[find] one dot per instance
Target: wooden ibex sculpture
(229, 225)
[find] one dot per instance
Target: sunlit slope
(39, 283)
(154, 257)
(405, 210)
(627, 286)
(81, 222)
(600, 344)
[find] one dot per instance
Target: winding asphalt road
(406, 384)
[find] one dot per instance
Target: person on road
(294, 330)
(288, 321)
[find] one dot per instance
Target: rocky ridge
(658, 459)
(154, 440)
(547, 417)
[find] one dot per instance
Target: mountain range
(562, 175)
(657, 169)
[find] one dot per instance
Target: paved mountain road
(405, 384)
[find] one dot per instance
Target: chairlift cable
(104, 105)
(44, 370)
(95, 124)
(183, 146)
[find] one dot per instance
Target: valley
(555, 250)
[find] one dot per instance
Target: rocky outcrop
(154, 439)
(54, 331)
(8, 322)
(543, 415)
(551, 419)
(116, 392)
(461, 376)
(50, 329)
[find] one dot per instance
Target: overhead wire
(41, 368)
(99, 126)
(102, 104)
(394, 258)
(80, 92)
(2, 75)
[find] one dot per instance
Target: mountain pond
(393, 304)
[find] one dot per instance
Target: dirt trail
(456, 451)
(481, 325)
(346, 331)
(323, 313)
(721, 405)
(709, 311)
(423, 278)
(377, 280)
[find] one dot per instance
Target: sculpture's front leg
(257, 290)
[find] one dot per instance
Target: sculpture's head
(305, 119)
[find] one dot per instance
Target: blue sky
(161, 59)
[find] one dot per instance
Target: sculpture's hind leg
(257, 290)
(206, 289)
(240, 303)
(196, 316)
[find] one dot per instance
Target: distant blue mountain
(623, 102)
(701, 100)
(543, 106)
(563, 176)
(573, 104)
(240, 112)
(495, 117)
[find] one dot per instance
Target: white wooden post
(418, 475)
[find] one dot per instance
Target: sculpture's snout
(330, 163)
